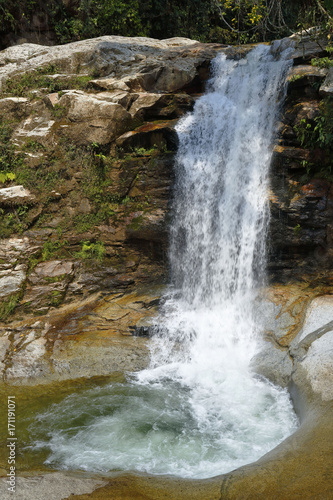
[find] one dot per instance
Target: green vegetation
(8, 305)
(322, 62)
(319, 133)
(56, 298)
(21, 85)
(294, 78)
(9, 159)
(92, 251)
(51, 247)
(225, 21)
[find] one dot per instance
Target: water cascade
(198, 411)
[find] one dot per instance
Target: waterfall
(198, 411)
(218, 235)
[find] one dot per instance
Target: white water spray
(198, 411)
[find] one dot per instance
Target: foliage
(226, 21)
(51, 247)
(8, 305)
(322, 62)
(95, 251)
(318, 134)
(21, 85)
(13, 220)
(9, 159)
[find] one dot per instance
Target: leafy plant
(90, 251)
(322, 62)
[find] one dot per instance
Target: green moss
(21, 85)
(56, 298)
(136, 223)
(8, 306)
(52, 247)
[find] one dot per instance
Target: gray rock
(274, 364)
(318, 365)
(51, 269)
(16, 195)
(11, 282)
(134, 60)
(326, 88)
(53, 486)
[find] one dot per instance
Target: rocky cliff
(87, 147)
(87, 154)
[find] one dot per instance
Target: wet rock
(274, 364)
(151, 227)
(85, 339)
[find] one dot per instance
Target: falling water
(198, 410)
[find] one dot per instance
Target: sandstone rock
(94, 118)
(14, 107)
(85, 339)
(4, 346)
(50, 270)
(326, 88)
(16, 195)
(39, 128)
(29, 363)
(11, 282)
(319, 314)
(138, 59)
(14, 249)
(305, 74)
(53, 485)
(52, 99)
(161, 135)
(318, 365)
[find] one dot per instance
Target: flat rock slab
(53, 486)
(16, 195)
(84, 339)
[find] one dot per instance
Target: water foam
(198, 410)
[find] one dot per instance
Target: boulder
(326, 89)
(16, 195)
(11, 281)
(95, 118)
(138, 63)
(14, 107)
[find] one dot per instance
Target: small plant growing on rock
(322, 62)
(92, 251)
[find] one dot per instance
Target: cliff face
(88, 145)
(88, 134)
(300, 238)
